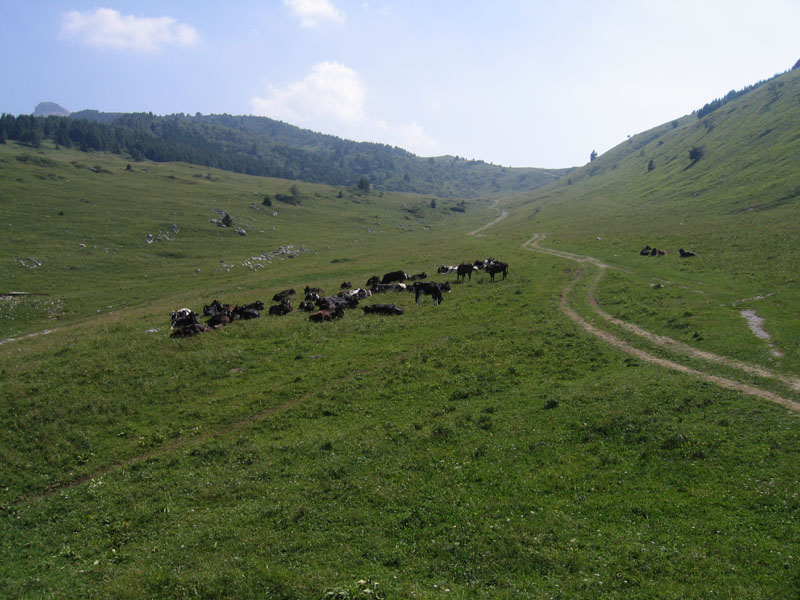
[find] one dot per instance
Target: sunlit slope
(725, 186)
(87, 233)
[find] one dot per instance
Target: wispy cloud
(106, 27)
(313, 12)
(332, 99)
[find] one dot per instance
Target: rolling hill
(262, 146)
(600, 424)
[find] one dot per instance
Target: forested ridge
(265, 147)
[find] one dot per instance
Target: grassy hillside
(489, 447)
(737, 207)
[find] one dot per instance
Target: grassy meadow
(484, 448)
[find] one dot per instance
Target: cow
(430, 288)
(312, 290)
(686, 253)
(331, 302)
(464, 270)
(312, 297)
(346, 285)
(373, 281)
(221, 319)
(389, 287)
(661, 253)
(246, 312)
(447, 269)
(382, 309)
(182, 318)
(284, 295)
(653, 252)
(257, 305)
(394, 277)
(189, 330)
(646, 250)
(306, 306)
(418, 276)
(278, 310)
(482, 264)
(496, 267)
(327, 314)
(216, 307)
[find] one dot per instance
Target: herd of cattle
(184, 322)
(648, 251)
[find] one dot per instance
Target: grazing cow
(646, 250)
(464, 270)
(686, 253)
(418, 276)
(306, 306)
(447, 269)
(394, 277)
(284, 295)
(284, 308)
(221, 319)
(430, 288)
(495, 268)
(182, 318)
(382, 309)
(189, 330)
(373, 281)
(327, 314)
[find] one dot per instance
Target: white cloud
(312, 12)
(332, 99)
(106, 27)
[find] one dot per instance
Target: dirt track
(660, 340)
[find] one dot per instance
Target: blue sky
(512, 82)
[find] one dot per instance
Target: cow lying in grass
(382, 309)
(328, 314)
(686, 253)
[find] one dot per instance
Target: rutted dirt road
(660, 340)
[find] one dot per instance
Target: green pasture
(484, 448)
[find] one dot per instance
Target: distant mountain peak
(47, 109)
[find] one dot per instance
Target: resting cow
(327, 315)
(382, 309)
(686, 253)
(190, 330)
(284, 308)
(394, 277)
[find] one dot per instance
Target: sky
(522, 83)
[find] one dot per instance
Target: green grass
(484, 448)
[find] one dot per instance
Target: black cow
(646, 250)
(496, 267)
(284, 295)
(312, 290)
(190, 330)
(394, 277)
(278, 310)
(346, 285)
(306, 306)
(382, 309)
(418, 276)
(246, 312)
(221, 319)
(686, 253)
(431, 288)
(216, 307)
(464, 270)
(373, 281)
